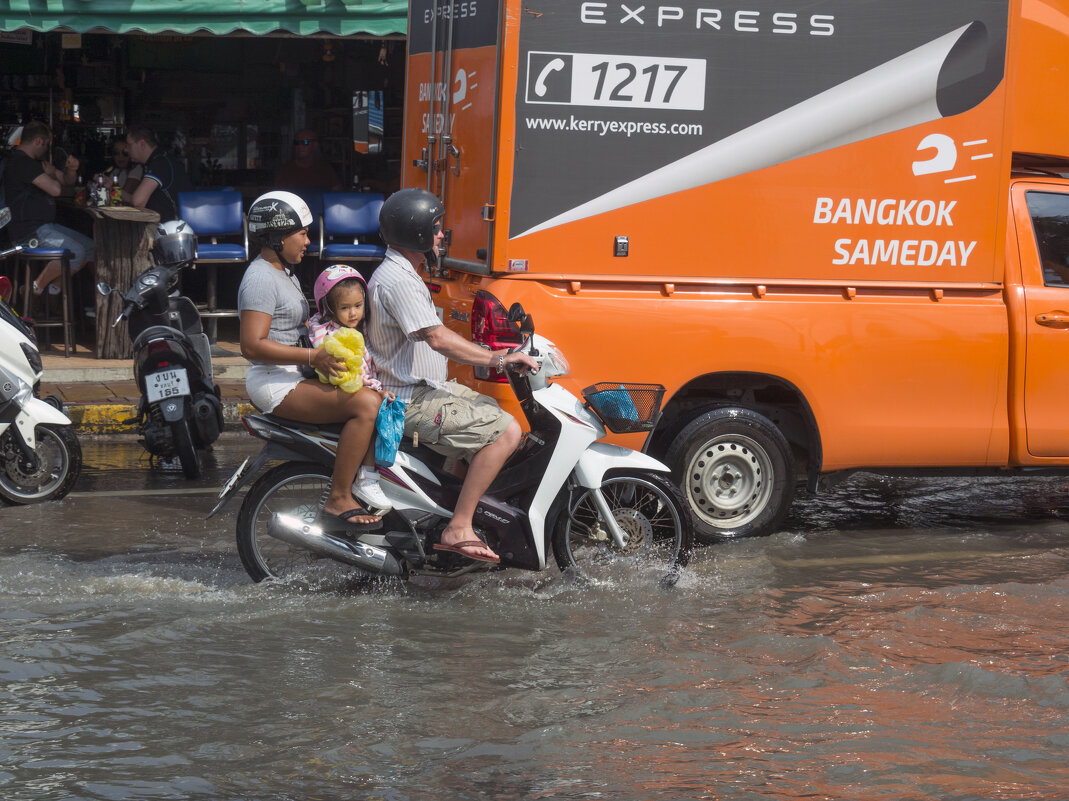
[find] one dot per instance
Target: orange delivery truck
(837, 232)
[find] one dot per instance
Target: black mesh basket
(625, 408)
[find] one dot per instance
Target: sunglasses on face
(437, 228)
(304, 141)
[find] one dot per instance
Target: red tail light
(490, 327)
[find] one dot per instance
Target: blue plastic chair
(349, 227)
(222, 238)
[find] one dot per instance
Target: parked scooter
(180, 409)
(596, 505)
(40, 457)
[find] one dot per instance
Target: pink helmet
(330, 277)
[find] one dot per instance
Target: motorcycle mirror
(515, 313)
(103, 288)
(5, 216)
(527, 325)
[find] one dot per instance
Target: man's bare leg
(484, 467)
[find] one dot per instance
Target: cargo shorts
(457, 422)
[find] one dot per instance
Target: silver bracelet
(501, 362)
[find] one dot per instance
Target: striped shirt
(400, 307)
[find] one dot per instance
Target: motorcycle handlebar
(125, 313)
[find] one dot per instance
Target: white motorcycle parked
(40, 457)
(598, 506)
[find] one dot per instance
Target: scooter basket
(625, 408)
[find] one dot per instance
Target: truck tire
(735, 469)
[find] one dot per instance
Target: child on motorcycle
(339, 323)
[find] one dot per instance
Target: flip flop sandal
(351, 525)
(460, 546)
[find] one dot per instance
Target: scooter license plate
(166, 384)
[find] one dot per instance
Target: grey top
(278, 293)
(401, 306)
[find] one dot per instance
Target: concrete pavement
(101, 395)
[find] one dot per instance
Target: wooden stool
(26, 259)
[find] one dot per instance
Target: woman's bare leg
(314, 402)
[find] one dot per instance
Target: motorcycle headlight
(13, 388)
(554, 364)
(33, 357)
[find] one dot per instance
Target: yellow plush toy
(347, 345)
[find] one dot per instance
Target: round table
(123, 237)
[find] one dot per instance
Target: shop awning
(261, 17)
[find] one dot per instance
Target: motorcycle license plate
(167, 384)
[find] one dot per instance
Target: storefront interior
(227, 105)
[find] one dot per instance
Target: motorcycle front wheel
(653, 516)
(59, 461)
(293, 488)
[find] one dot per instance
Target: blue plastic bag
(390, 427)
(617, 403)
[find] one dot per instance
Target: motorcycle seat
(423, 453)
(326, 428)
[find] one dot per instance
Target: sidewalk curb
(109, 418)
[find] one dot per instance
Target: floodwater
(901, 639)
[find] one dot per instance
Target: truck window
(1050, 222)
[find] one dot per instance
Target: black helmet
(408, 217)
(175, 242)
(276, 215)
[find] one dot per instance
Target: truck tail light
(490, 328)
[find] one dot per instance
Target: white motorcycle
(598, 506)
(40, 457)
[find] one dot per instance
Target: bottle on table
(115, 195)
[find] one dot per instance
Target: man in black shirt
(32, 186)
(164, 176)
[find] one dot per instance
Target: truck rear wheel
(736, 471)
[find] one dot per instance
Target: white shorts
(269, 384)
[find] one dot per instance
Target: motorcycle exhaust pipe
(294, 531)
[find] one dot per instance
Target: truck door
(450, 102)
(1042, 221)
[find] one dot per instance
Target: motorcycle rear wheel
(184, 447)
(654, 518)
(59, 462)
(294, 488)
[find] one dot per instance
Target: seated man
(412, 349)
(308, 169)
(32, 186)
(164, 175)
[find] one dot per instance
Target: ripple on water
(850, 664)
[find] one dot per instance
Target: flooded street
(901, 639)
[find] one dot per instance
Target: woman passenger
(273, 312)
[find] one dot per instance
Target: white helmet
(276, 215)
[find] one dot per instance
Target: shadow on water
(873, 501)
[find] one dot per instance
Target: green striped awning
(301, 17)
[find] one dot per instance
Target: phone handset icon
(462, 86)
(556, 65)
